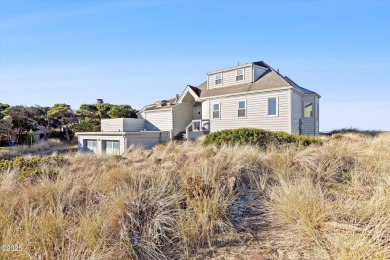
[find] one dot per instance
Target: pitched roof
(157, 105)
(269, 80)
(295, 85)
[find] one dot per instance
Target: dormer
(241, 74)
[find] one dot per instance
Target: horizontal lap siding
(112, 125)
(229, 78)
(317, 121)
(206, 109)
(158, 120)
(182, 117)
(308, 127)
(257, 113)
(258, 71)
(296, 111)
(133, 124)
(99, 142)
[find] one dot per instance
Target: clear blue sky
(137, 52)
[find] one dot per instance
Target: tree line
(60, 118)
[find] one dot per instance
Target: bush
(30, 167)
(258, 137)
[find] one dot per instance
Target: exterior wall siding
(256, 112)
(229, 77)
(133, 124)
(308, 126)
(258, 71)
(182, 116)
(122, 125)
(317, 116)
(296, 111)
(206, 109)
(99, 142)
(112, 125)
(159, 120)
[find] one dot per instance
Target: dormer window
(218, 79)
(240, 75)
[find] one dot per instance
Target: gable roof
(295, 85)
(271, 79)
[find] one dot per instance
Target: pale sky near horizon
(137, 52)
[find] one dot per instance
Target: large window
(272, 106)
(218, 79)
(216, 111)
(242, 108)
(112, 147)
(308, 109)
(90, 145)
(240, 75)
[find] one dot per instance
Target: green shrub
(258, 137)
(30, 167)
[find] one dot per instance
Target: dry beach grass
(186, 200)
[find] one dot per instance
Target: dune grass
(329, 201)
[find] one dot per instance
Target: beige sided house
(249, 95)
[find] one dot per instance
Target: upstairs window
(242, 108)
(272, 106)
(216, 111)
(218, 79)
(308, 109)
(240, 75)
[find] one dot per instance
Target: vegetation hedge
(258, 137)
(31, 167)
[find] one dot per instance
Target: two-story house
(249, 95)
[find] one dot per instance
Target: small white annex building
(249, 95)
(117, 135)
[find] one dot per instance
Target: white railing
(197, 127)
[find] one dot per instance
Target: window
(240, 75)
(218, 79)
(90, 145)
(112, 147)
(216, 111)
(308, 112)
(272, 106)
(242, 108)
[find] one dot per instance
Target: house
(249, 95)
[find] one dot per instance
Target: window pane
(241, 113)
(216, 114)
(216, 107)
(116, 145)
(218, 81)
(241, 77)
(240, 72)
(241, 104)
(272, 106)
(308, 109)
(218, 76)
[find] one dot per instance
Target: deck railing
(198, 127)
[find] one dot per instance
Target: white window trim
(312, 107)
(243, 74)
(238, 108)
(277, 107)
(221, 78)
(212, 111)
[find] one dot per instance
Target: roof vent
(99, 101)
(163, 102)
